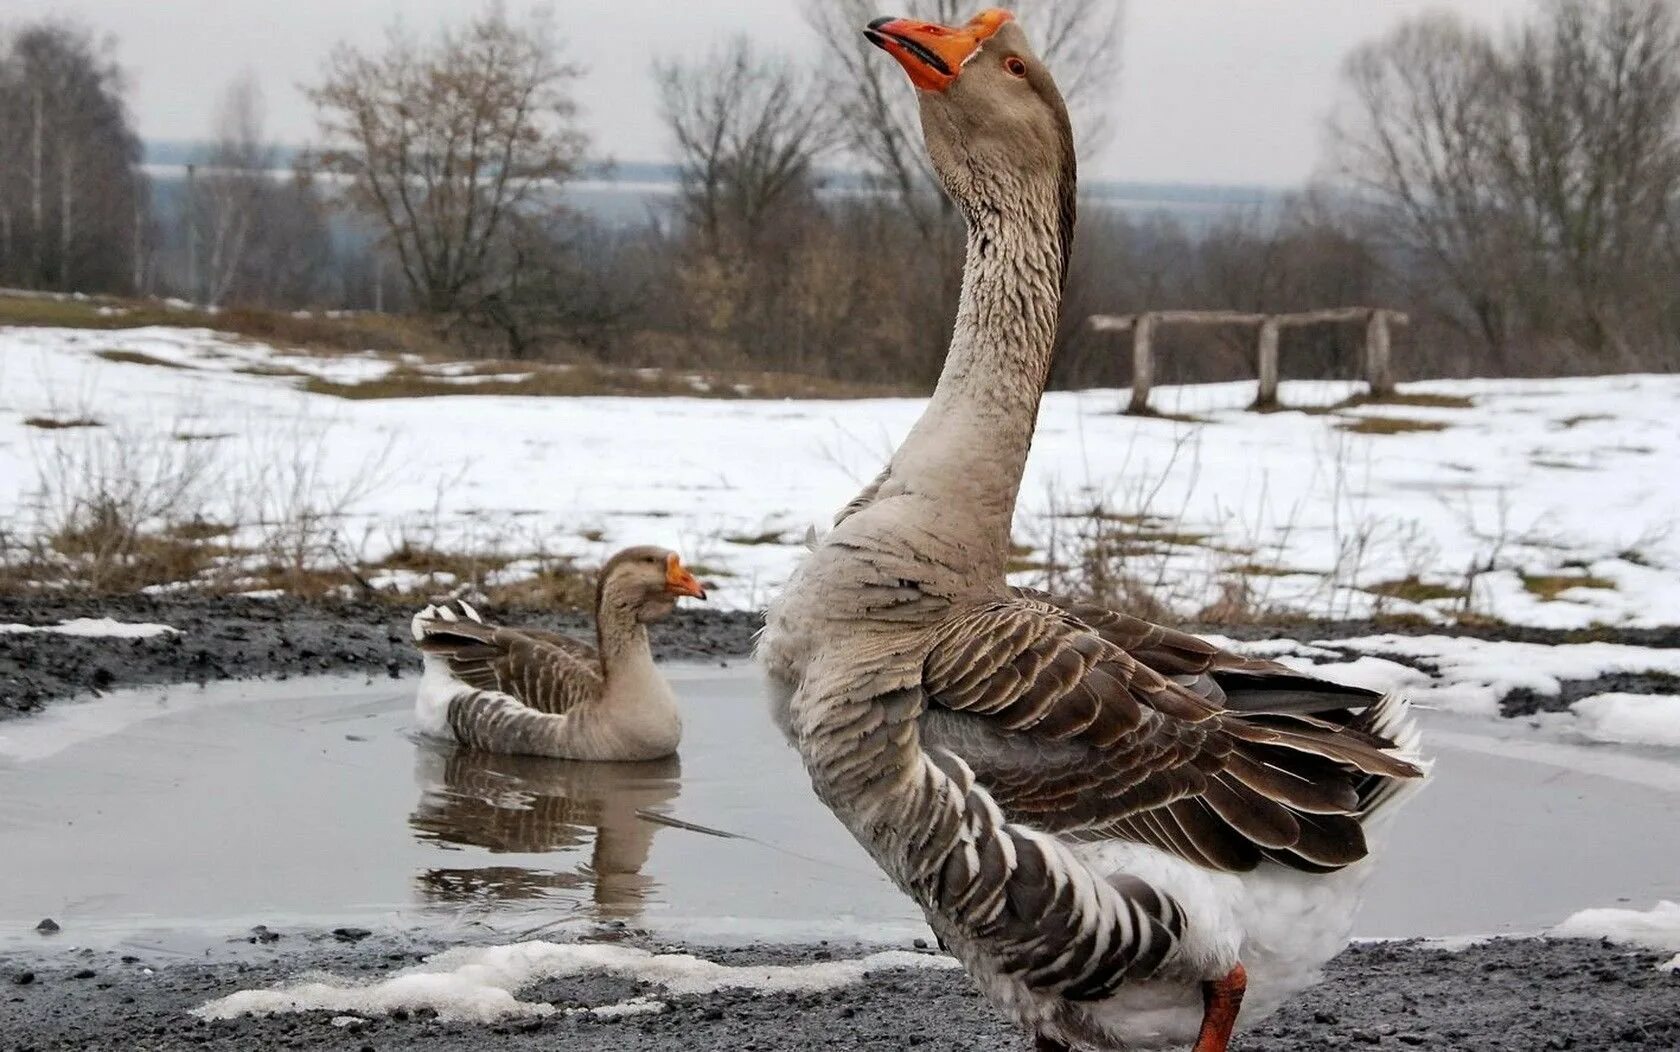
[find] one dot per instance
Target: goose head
(645, 582)
(996, 126)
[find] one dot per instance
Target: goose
(530, 692)
(1129, 837)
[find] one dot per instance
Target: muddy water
(150, 814)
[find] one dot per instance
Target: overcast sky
(1217, 91)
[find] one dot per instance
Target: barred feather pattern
(488, 719)
(997, 891)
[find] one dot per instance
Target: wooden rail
(1377, 364)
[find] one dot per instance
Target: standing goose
(535, 693)
(1119, 829)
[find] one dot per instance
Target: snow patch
(478, 984)
(1654, 929)
(694, 472)
(1473, 675)
(94, 628)
(1630, 719)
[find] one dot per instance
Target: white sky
(1216, 91)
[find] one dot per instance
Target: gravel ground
(1508, 995)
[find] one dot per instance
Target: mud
(1508, 995)
(234, 638)
(237, 638)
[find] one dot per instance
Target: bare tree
(1078, 39)
(444, 143)
(749, 131)
(767, 268)
(235, 185)
(69, 177)
(1419, 134)
(1592, 161)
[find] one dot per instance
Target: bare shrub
(295, 489)
(113, 511)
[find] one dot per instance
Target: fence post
(1143, 363)
(1268, 365)
(1378, 344)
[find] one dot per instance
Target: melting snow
(1557, 478)
(1630, 719)
(1654, 929)
(1473, 675)
(479, 984)
(95, 628)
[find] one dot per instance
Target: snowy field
(1547, 503)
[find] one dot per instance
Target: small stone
(85, 973)
(23, 978)
(920, 944)
(351, 934)
(48, 926)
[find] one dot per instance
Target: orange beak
(678, 581)
(933, 54)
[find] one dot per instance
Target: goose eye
(1015, 66)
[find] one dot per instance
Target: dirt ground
(236, 638)
(233, 638)
(1509, 995)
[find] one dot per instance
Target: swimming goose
(538, 693)
(1122, 831)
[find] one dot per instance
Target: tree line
(1517, 193)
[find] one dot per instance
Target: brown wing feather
(1073, 733)
(543, 670)
(1228, 679)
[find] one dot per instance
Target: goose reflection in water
(531, 805)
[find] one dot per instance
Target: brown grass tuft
(1388, 425)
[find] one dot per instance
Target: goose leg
(1221, 1000)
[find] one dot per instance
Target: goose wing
(1072, 732)
(1236, 682)
(545, 671)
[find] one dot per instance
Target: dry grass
(136, 358)
(543, 380)
(1261, 570)
(1413, 590)
(48, 423)
(1420, 400)
(1550, 586)
(312, 332)
(1571, 422)
(756, 539)
(1388, 425)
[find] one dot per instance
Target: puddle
(149, 814)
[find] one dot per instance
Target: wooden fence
(1379, 343)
